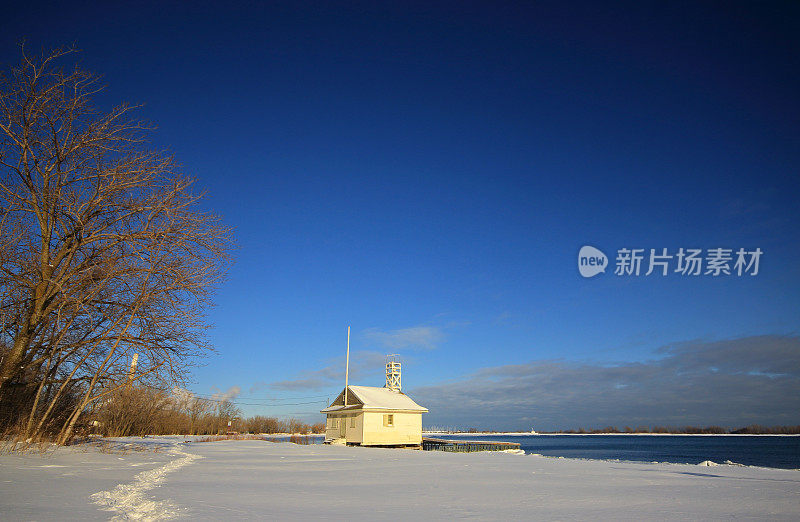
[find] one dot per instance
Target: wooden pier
(466, 446)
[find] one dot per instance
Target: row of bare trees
(688, 430)
(103, 252)
(139, 411)
(261, 424)
(753, 429)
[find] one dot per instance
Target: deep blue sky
(427, 172)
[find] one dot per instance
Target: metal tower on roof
(393, 372)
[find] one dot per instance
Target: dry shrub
(232, 436)
(17, 408)
(299, 439)
(132, 411)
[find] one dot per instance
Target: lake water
(751, 450)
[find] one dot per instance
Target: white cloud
(229, 395)
(362, 363)
(415, 337)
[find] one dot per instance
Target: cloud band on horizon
(730, 383)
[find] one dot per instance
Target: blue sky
(427, 172)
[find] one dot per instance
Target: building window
(353, 421)
(333, 422)
(388, 420)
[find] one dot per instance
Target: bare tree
(194, 407)
(226, 412)
(103, 252)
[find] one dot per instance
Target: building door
(343, 427)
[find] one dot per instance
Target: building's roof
(369, 398)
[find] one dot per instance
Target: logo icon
(591, 261)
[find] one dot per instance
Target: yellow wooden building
(369, 416)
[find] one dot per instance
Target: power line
(235, 400)
(282, 398)
(217, 397)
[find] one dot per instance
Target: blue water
(751, 450)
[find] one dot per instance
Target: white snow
(253, 479)
(379, 399)
(558, 434)
(129, 501)
(58, 485)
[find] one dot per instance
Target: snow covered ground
(254, 479)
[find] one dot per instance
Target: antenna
(347, 365)
(393, 372)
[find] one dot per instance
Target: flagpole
(347, 366)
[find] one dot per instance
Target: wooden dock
(466, 446)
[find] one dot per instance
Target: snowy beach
(252, 479)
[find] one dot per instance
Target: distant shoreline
(523, 434)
